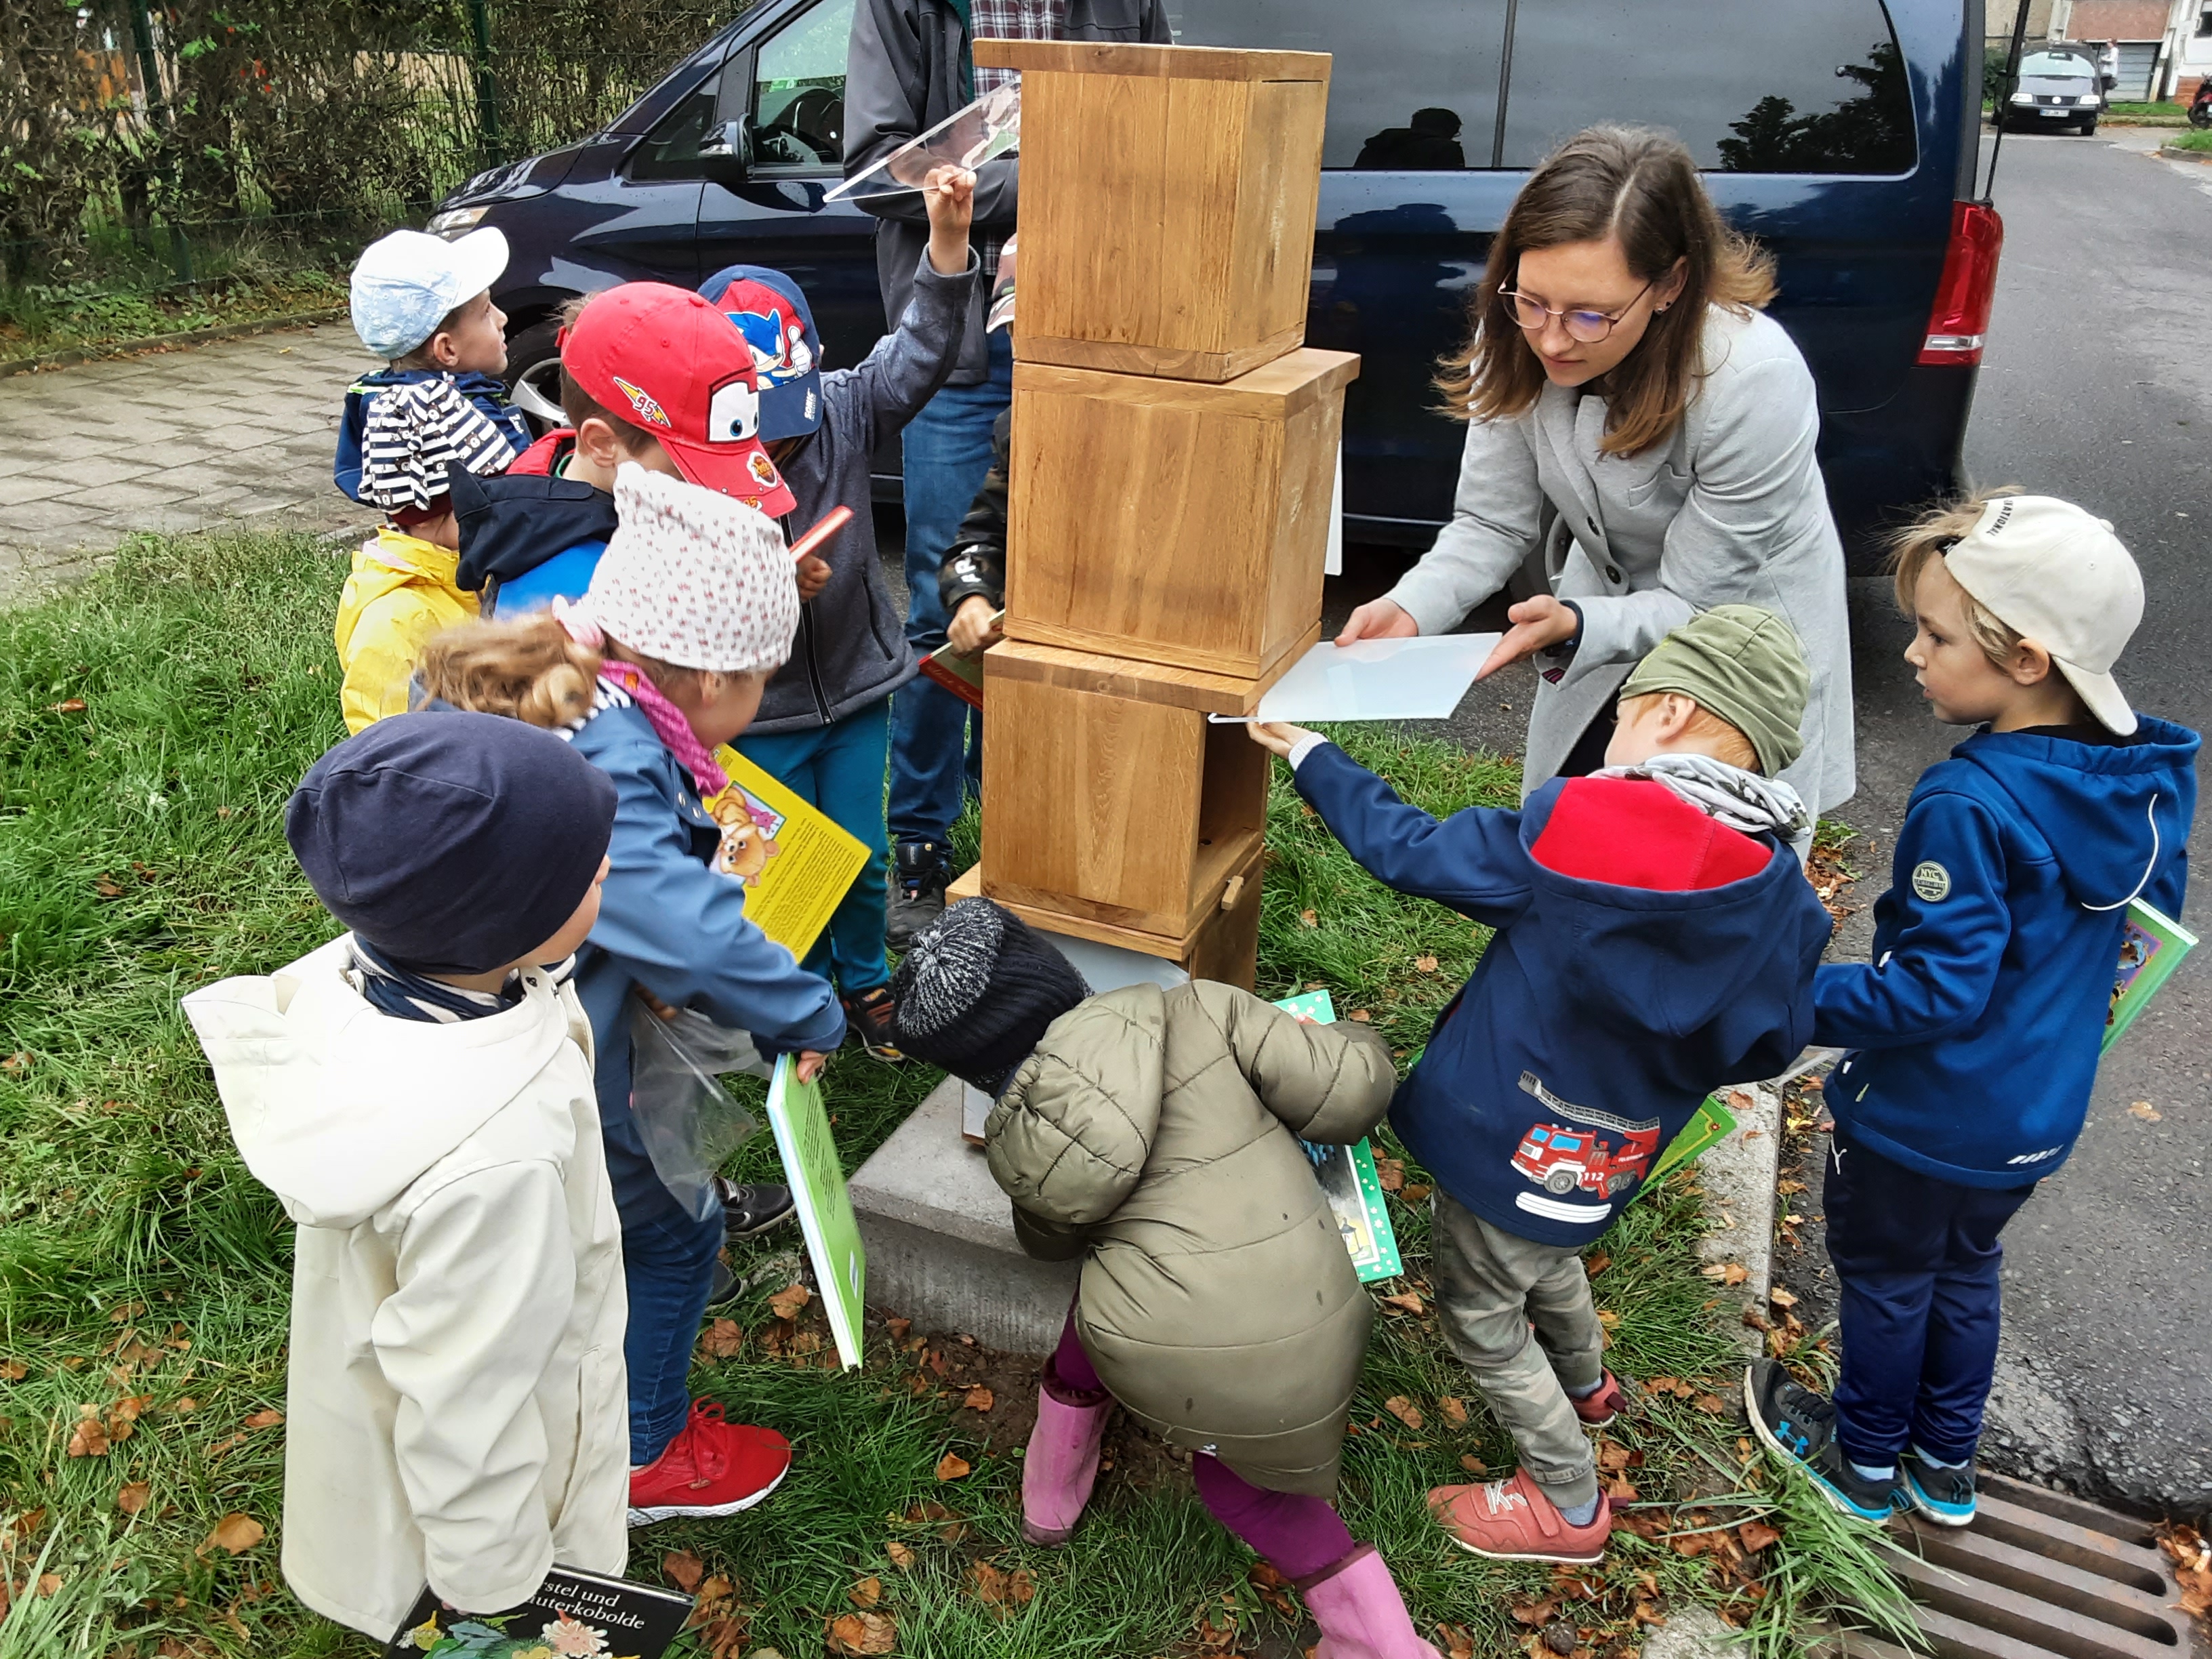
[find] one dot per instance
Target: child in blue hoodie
(1975, 1030)
(1655, 939)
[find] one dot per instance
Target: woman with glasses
(1635, 415)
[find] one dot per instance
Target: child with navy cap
(418, 1093)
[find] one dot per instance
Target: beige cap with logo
(2057, 575)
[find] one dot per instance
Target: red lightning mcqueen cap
(670, 364)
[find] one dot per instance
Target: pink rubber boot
(1059, 1467)
(1361, 1614)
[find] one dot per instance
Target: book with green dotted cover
(1347, 1176)
(2152, 945)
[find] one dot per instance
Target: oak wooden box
(1167, 203)
(1224, 947)
(1108, 798)
(1170, 521)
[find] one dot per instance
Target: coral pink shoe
(1597, 1410)
(1513, 1520)
(711, 1468)
(1361, 1614)
(1059, 1467)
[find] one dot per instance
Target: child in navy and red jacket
(1655, 939)
(1975, 1030)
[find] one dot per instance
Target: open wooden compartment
(1109, 797)
(1169, 195)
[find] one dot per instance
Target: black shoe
(918, 881)
(748, 1212)
(1799, 1426)
(871, 1016)
(1944, 1496)
(724, 1285)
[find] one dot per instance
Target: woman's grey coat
(1731, 510)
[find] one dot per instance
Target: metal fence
(164, 143)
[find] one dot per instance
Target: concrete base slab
(940, 1238)
(1738, 1174)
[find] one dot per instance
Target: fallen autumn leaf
(952, 1467)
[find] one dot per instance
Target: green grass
(140, 854)
(2192, 140)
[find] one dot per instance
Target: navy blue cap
(453, 842)
(771, 312)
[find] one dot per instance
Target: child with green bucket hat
(1655, 939)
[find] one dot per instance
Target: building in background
(2161, 48)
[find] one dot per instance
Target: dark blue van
(1842, 133)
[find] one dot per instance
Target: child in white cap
(1975, 1030)
(691, 607)
(424, 305)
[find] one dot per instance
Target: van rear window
(1750, 86)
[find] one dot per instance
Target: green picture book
(816, 1176)
(1347, 1176)
(2152, 945)
(1708, 1124)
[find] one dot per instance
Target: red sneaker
(711, 1468)
(1597, 1410)
(1513, 1520)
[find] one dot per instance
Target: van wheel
(2089, 128)
(533, 373)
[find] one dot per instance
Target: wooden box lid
(1139, 682)
(1161, 62)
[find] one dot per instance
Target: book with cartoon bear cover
(577, 1615)
(795, 863)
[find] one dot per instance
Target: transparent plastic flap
(687, 1119)
(988, 128)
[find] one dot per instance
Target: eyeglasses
(1588, 327)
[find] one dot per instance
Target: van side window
(671, 150)
(1750, 86)
(1415, 87)
(799, 94)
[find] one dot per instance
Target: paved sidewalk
(171, 440)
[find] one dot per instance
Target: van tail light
(1960, 317)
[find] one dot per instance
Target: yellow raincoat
(400, 593)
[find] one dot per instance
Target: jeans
(1296, 1533)
(1916, 1258)
(839, 768)
(668, 1269)
(937, 749)
(1490, 1286)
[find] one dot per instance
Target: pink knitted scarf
(667, 718)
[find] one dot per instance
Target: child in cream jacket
(418, 1093)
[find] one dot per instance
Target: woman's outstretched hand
(1378, 619)
(1538, 624)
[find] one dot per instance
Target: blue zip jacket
(487, 393)
(669, 922)
(1645, 956)
(1976, 1026)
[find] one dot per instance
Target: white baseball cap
(2057, 575)
(406, 283)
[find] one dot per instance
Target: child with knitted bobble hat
(690, 611)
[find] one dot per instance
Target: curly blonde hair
(1932, 536)
(529, 671)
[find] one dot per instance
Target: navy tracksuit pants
(1917, 1260)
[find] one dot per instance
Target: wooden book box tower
(1173, 454)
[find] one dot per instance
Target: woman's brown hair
(1642, 188)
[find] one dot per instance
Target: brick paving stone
(227, 432)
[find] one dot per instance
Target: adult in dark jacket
(908, 67)
(1155, 1134)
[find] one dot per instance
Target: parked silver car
(2056, 86)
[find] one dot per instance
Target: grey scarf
(1728, 794)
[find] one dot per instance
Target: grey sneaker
(748, 1210)
(918, 881)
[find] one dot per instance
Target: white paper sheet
(1415, 679)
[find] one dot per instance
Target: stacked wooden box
(1173, 453)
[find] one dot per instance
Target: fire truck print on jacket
(1599, 1154)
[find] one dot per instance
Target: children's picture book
(962, 676)
(816, 1176)
(794, 862)
(1347, 1176)
(2152, 945)
(581, 1614)
(1709, 1124)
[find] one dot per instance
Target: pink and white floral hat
(694, 578)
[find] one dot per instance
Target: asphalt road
(2097, 386)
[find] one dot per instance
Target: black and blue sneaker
(1799, 1426)
(1943, 1492)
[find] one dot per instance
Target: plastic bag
(687, 1119)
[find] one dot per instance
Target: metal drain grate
(2040, 1576)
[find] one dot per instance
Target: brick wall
(2118, 20)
